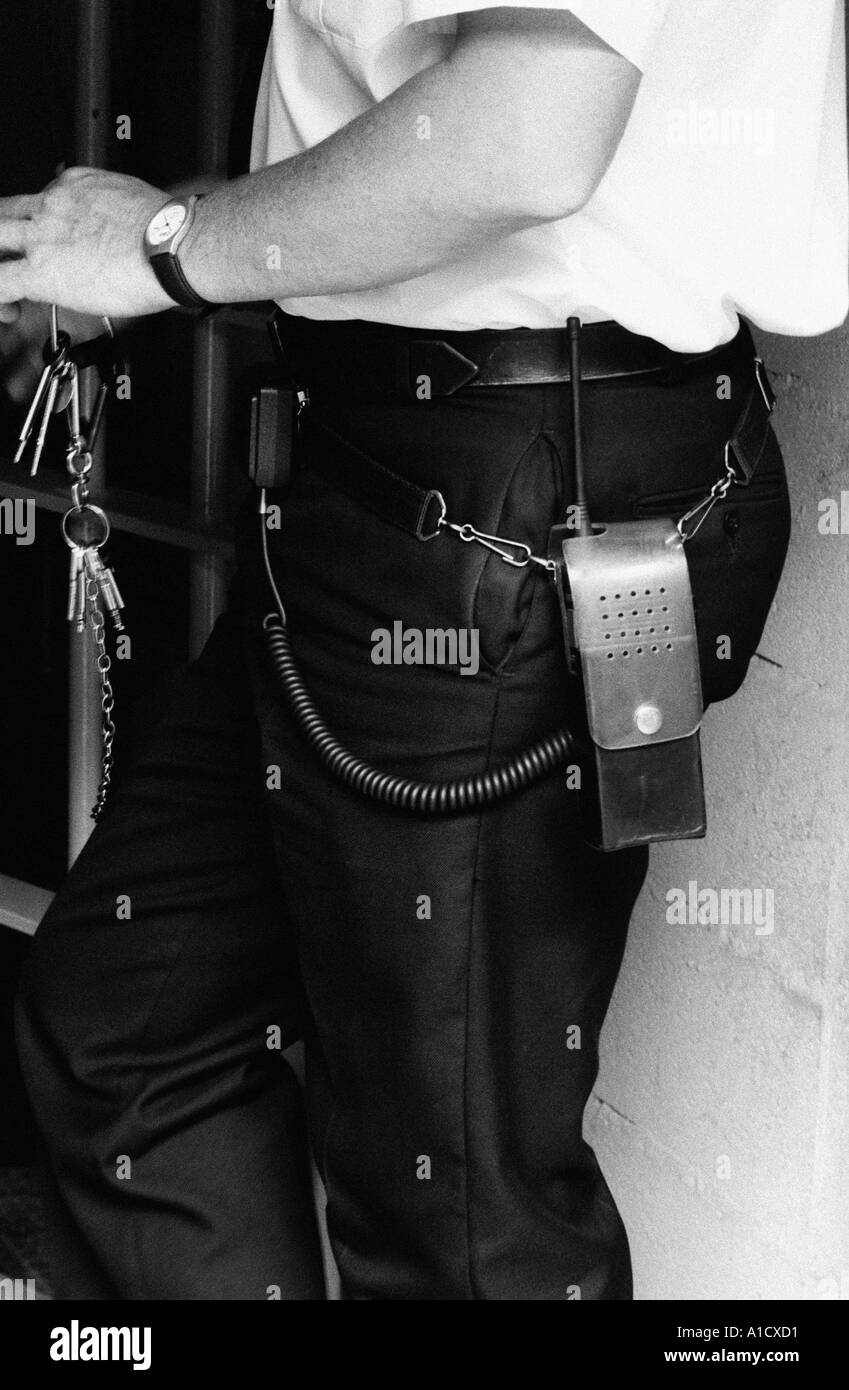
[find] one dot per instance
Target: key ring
(98, 512)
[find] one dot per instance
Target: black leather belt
(382, 361)
(420, 511)
(369, 359)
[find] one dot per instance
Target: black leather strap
(418, 510)
(414, 509)
(750, 436)
(385, 362)
(170, 275)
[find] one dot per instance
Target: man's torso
(727, 195)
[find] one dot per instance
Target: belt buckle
(434, 497)
(435, 368)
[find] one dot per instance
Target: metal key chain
(85, 527)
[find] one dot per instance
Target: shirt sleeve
(629, 26)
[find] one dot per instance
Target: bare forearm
(515, 128)
(448, 161)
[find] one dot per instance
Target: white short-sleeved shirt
(727, 196)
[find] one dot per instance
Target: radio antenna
(584, 524)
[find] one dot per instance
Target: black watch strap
(170, 275)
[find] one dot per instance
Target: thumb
(10, 313)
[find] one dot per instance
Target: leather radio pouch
(274, 411)
(630, 634)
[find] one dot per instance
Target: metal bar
(92, 117)
(22, 905)
(211, 390)
(92, 136)
(134, 513)
(210, 571)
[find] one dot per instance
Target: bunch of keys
(86, 531)
(85, 527)
(58, 389)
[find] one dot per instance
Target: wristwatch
(166, 232)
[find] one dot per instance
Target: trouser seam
(472, 1283)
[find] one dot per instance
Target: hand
(78, 244)
(24, 329)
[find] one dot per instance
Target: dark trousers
(449, 977)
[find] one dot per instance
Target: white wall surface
(721, 1116)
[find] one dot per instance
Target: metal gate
(200, 528)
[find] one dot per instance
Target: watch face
(166, 224)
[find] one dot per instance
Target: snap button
(648, 719)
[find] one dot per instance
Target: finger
(23, 205)
(64, 176)
(13, 235)
(10, 313)
(19, 385)
(13, 281)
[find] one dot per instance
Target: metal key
(37, 402)
(86, 530)
(107, 382)
(97, 414)
(55, 361)
(60, 369)
(66, 387)
(76, 444)
(104, 578)
(76, 590)
(82, 527)
(109, 367)
(52, 392)
(49, 355)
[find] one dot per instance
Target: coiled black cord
(427, 798)
(447, 798)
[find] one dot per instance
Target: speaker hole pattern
(654, 612)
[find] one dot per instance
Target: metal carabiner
(717, 494)
(765, 385)
(496, 544)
